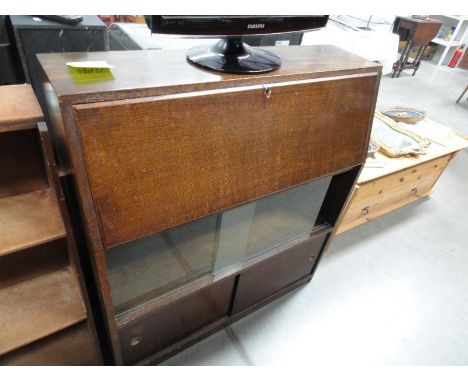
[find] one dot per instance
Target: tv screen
(230, 54)
(222, 26)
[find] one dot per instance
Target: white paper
(90, 64)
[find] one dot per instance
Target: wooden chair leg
(461, 95)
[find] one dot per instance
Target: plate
(404, 114)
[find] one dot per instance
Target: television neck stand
(231, 55)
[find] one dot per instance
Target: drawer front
(149, 334)
(71, 347)
(405, 177)
(159, 162)
(377, 204)
(277, 272)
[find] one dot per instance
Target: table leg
(405, 59)
(397, 66)
(417, 60)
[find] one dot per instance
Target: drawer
(71, 347)
(376, 198)
(155, 331)
(158, 162)
(405, 177)
(277, 272)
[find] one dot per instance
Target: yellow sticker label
(90, 71)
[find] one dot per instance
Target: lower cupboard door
(277, 272)
(146, 335)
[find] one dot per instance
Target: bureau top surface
(159, 72)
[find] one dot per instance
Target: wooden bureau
(205, 195)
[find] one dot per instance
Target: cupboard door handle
(135, 341)
(414, 191)
(365, 211)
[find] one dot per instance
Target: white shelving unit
(459, 36)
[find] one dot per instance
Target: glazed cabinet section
(149, 336)
(216, 245)
(174, 284)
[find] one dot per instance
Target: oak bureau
(202, 195)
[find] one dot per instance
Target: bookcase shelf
(14, 115)
(457, 39)
(38, 307)
(41, 294)
(28, 220)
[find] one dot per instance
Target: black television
(231, 54)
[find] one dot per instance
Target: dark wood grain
(159, 72)
(94, 355)
(205, 152)
(91, 234)
(277, 272)
(140, 338)
(207, 330)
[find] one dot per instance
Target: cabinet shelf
(457, 17)
(443, 42)
(29, 219)
(38, 307)
(18, 107)
(458, 38)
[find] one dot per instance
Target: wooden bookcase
(43, 307)
(204, 195)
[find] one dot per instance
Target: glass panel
(147, 267)
(151, 266)
(247, 231)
